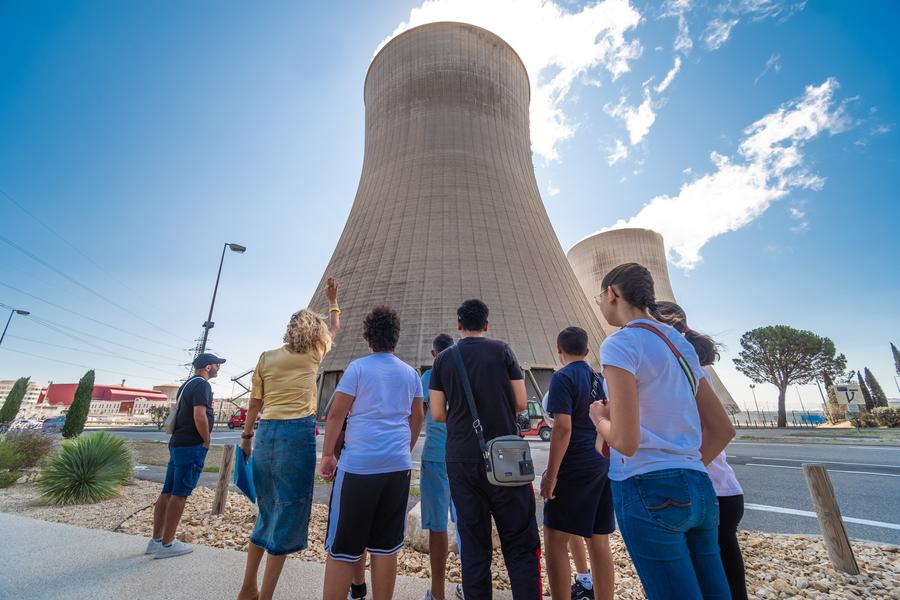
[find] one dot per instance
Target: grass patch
(415, 491)
(8, 478)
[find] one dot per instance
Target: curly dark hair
(472, 315)
(381, 328)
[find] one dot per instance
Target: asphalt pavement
(866, 480)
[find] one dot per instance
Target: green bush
(87, 469)
(863, 419)
(887, 416)
(7, 478)
(24, 449)
(77, 414)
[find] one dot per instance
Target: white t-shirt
(670, 423)
(723, 478)
(377, 436)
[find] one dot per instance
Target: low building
(106, 400)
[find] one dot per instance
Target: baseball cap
(206, 359)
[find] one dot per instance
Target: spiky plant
(87, 469)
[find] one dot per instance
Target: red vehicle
(238, 418)
(537, 421)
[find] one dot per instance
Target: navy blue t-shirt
(196, 392)
(570, 394)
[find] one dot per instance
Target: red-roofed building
(105, 399)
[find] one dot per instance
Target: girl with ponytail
(663, 423)
(728, 490)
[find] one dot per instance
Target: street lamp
(753, 389)
(209, 322)
(14, 311)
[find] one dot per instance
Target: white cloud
(638, 119)
(717, 32)
(769, 165)
(679, 9)
(552, 190)
(547, 37)
(773, 64)
(620, 152)
(670, 76)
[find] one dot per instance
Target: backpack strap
(682, 361)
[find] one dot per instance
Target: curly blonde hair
(306, 331)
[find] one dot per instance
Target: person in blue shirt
(435, 486)
(575, 487)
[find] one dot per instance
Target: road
(866, 480)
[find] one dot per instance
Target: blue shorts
(184, 468)
(435, 489)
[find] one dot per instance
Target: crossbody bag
(682, 362)
(169, 423)
(507, 459)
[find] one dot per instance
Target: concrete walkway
(48, 561)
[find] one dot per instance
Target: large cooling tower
(593, 257)
(448, 207)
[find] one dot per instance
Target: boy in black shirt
(575, 487)
(499, 390)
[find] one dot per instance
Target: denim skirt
(284, 464)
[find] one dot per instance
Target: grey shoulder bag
(507, 459)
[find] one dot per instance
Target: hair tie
(687, 329)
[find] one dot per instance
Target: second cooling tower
(593, 257)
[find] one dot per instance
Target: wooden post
(833, 532)
(221, 498)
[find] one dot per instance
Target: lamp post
(14, 311)
(209, 322)
(753, 389)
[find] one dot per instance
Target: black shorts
(367, 512)
(583, 506)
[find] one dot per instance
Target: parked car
(53, 424)
(536, 420)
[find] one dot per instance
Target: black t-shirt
(491, 366)
(570, 394)
(196, 392)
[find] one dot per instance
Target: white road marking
(807, 513)
(830, 462)
(829, 470)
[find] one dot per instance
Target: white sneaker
(459, 592)
(176, 548)
(153, 546)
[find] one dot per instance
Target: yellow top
(286, 382)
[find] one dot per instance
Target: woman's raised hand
(331, 289)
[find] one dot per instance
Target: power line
(65, 362)
(75, 248)
(146, 364)
(74, 281)
(57, 326)
(83, 316)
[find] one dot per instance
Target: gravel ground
(778, 566)
(23, 500)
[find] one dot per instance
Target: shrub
(87, 469)
(887, 416)
(863, 419)
(29, 448)
(7, 478)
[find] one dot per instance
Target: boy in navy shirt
(575, 488)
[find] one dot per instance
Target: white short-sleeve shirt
(670, 422)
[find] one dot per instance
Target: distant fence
(756, 420)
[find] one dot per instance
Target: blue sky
(144, 136)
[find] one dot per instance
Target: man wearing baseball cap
(187, 454)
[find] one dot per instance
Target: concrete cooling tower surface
(448, 208)
(593, 257)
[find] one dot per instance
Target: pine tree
(867, 395)
(896, 358)
(78, 411)
(14, 400)
(878, 397)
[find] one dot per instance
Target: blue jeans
(669, 521)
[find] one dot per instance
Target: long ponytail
(672, 314)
